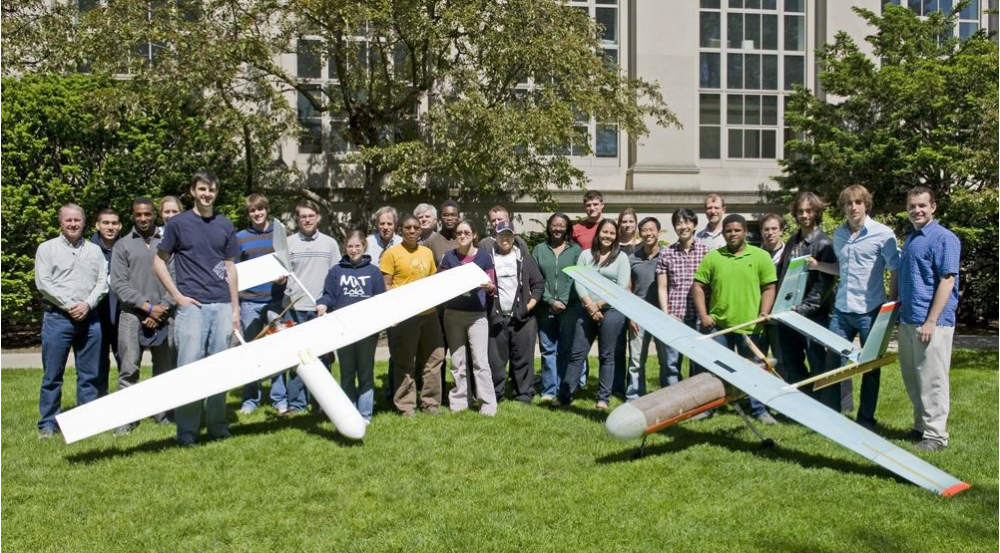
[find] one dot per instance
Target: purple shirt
(679, 266)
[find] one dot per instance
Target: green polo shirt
(735, 281)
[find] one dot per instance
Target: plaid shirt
(679, 266)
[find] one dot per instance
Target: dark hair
(684, 214)
(450, 203)
(735, 218)
(107, 211)
(648, 220)
(142, 200)
(918, 190)
(595, 248)
(769, 216)
(569, 226)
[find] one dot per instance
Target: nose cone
(626, 423)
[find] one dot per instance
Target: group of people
(173, 290)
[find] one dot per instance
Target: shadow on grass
(309, 424)
(682, 438)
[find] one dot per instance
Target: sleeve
(329, 290)
(121, 285)
(947, 256)
(101, 286)
(43, 277)
(581, 290)
(890, 251)
(703, 273)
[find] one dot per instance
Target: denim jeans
(357, 374)
(59, 334)
(555, 338)
(736, 341)
(638, 352)
(849, 325)
(253, 317)
(287, 389)
(202, 330)
(610, 335)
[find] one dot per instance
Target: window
(750, 52)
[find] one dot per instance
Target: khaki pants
(925, 374)
(417, 343)
(472, 328)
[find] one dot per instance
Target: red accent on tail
(960, 487)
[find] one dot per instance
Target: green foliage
(530, 479)
(98, 143)
(921, 110)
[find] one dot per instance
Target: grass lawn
(531, 479)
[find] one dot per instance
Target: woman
(465, 324)
(416, 342)
(597, 319)
(628, 233)
(555, 322)
(352, 280)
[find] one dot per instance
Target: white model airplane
(298, 346)
(738, 377)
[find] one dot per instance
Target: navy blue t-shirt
(200, 247)
(473, 300)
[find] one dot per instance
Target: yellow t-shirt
(406, 266)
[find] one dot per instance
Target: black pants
(514, 342)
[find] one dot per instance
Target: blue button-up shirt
(929, 254)
(863, 260)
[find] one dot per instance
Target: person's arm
(43, 279)
(698, 298)
(767, 293)
(234, 291)
(941, 296)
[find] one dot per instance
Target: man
(644, 261)
(107, 227)
(385, 235)
(72, 277)
(312, 254)
(429, 236)
(674, 278)
(711, 236)
(772, 227)
(450, 217)
(499, 214)
(928, 290)
(865, 249)
(584, 231)
(203, 247)
(255, 303)
(145, 303)
(741, 279)
(416, 343)
(794, 348)
(513, 328)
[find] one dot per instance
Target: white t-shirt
(506, 271)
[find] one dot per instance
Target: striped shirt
(929, 254)
(311, 257)
(679, 266)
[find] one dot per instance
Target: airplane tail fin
(881, 332)
(793, 285)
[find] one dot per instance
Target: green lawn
(529, 480)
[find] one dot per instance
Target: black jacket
(820, 292)
(531, 284)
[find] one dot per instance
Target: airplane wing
(770, 390)
(266, 268)
(267, 356)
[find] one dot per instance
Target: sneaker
(46, 433)
(930, 445)
(601, 406)
(767, 419)
(124, 429)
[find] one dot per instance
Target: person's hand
(558, 307)
(159, 312)
(320, 309)
(926, 332)
(79, 311)
(707, 321)
(184, 301)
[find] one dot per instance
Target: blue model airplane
(655, 411)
